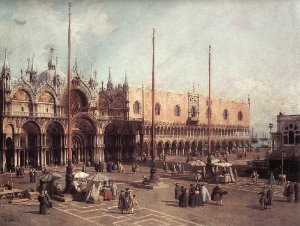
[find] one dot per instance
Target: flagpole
(209, 103)
(153, 99)
(69, 168)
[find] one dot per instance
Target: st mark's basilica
(109, 122)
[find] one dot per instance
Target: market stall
(198, 169)
(97, 188)
(223, 171)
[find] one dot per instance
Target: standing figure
(84, 168)
(289, 191)
(271, 180)
(217, 194)
(134, 203)
(44, 200)
(183, 199)
(235, 174)
(123, 205)
(177, 191)
(31, 175)
(192, 196)
(263, 198)
(205, 194)
(296, 190)
(269, 196)
(198, 196)
(114, 190)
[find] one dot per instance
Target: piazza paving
(157, 207)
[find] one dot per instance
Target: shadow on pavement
(33, 212)
(255, 207)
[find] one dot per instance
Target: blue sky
(255, 45)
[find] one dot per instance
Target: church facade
(108, 122)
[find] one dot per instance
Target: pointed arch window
(291, 135)
(177, 110)
(157, 109)
(137, 107)
(225, 114)
(240, 116)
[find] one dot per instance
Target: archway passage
(83, 137)
(9, 154)
(55, 144)
(110, 142)
(30, 144)
(120, 144)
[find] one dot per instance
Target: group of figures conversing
(198, 195)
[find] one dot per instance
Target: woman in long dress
(205, 194)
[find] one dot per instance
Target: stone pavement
(108, 212)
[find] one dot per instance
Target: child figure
(134, 203)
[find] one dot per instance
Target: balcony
(33, 114)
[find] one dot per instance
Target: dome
(48, 76)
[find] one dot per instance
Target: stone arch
(160, 147)
(187, 147)
(54, 143)
(79, 102)
(110, 142)
(103, 105)
(174, 148)
(22, 102)
(167, 148)
(30, 142)
(46, 103)
(194, 148)
(84, 127)
(181, 147)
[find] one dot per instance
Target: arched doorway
(54, 144)
(9, 154)
(83, 137)
(110, 142)
(30, 140)
(128, 148)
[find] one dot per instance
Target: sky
(255, 45)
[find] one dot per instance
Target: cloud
(20, 22)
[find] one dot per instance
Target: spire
(32, 64)
(76, 68)
(109, 83)
(51, 65)
(5, 64)
(126, 81)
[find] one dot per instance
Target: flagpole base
(69, 178)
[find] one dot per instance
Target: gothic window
(157, 109)
(225, 114)
(193, 112)
(136, 108)
(291, 135)
(208, 113)
(177, 110)
(240, 116)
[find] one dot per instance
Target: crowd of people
(196, 196)
(110, 167)
(173, 167)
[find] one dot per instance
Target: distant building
(108, 122)
(286, 146)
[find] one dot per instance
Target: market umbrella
(223, 164)
(51, 176)
(80, 175)
(213, 161)
(197, 163)
(98, 178)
